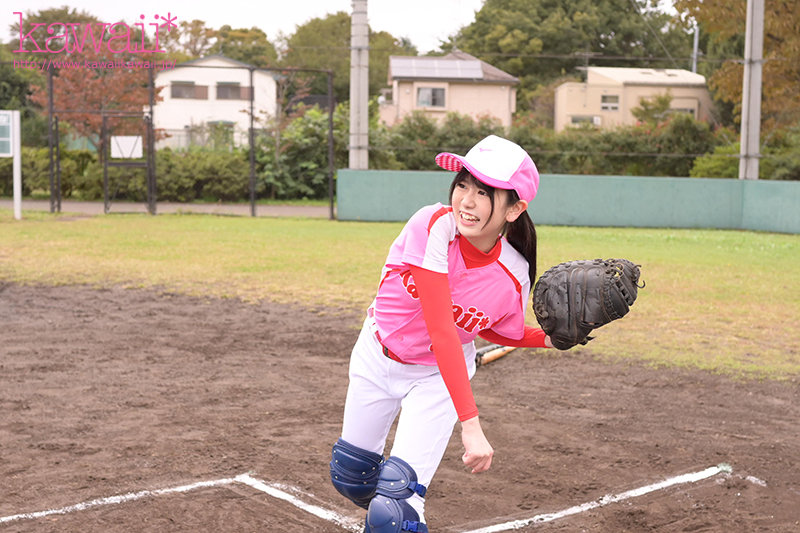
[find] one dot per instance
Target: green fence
(571, 200)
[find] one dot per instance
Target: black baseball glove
(573, 298)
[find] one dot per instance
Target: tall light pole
(751, 91)
(359, 86)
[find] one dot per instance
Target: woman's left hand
(478, 452)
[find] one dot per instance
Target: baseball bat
(488, 348)
(493, 354)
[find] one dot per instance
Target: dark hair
(521, 234)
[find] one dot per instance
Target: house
(610, 93)
(456, 82)
(207, 100)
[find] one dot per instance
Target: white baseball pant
(380, 388)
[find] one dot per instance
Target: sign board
(126, 147)
(6, 134)
(10, 146)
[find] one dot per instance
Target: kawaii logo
(74, 37)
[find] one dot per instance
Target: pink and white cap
(499, 163)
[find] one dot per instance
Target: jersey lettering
(469, 319)
(408, 283)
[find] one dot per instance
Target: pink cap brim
(455, 163)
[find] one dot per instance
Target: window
(609, 102)
(220, 134)
(579, 120)
(187, 89)
(430, 97)
(688, 111)
(232, 91)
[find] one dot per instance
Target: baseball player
(453, 273)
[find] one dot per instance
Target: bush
(780, 158)
(186, 176)
(295, 164)
(35, 164)
(722, 163)
(414, 141)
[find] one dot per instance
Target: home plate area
(245, 501)
(135, 411)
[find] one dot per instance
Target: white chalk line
(272, 489)
(607, 499)
(279, 491)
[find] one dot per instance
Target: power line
(571, 56)
(646, 23)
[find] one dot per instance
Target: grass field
(725, 301)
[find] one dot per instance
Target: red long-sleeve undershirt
(434, 296)
(532, 338)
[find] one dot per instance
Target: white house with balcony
(208, 99)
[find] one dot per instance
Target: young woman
(453, 273)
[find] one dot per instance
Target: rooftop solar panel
(416, 67)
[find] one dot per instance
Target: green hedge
(182, 176)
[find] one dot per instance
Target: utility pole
(751, 91)
(359, 86)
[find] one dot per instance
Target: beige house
(609, 94)
(456, 82)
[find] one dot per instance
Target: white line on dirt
(271, 489)
(131, 496)
(607, 499)
(276, 491)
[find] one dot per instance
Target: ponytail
(521, 234)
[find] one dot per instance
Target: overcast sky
(424, 22)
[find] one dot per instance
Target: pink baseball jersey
(492, 293)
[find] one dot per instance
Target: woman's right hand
(478, 452)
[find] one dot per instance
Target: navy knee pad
(387, 515)
(355, 472)
(389, 512)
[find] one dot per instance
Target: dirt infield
(109, 392)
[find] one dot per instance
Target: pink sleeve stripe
(437, 215)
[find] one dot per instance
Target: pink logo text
(75, 37)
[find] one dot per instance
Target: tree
(15, 93)
(249, 46)
(191, 41)
(724, 22)
(324, 43)
(653, 110)
(86, 91)
(539, 41)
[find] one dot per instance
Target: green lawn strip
(725, 301)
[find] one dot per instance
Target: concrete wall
(577, 200)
